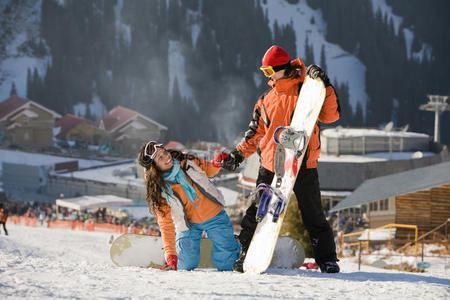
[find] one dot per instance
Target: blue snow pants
(225, 249)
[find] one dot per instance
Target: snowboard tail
(135, 250)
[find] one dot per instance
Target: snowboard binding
(266, 193)
(290, 139)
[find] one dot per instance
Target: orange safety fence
(13, 220)
(24, 220)
(59, 224)
(105, 227)
(77, 225)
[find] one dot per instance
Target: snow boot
(329, 267)
(238, 265)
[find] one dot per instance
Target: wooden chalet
(26, 123)
(77, 128)
(416, 197)
(129, 129)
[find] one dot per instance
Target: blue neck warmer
(176, 175)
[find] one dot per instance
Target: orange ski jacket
(3, 215)
(179, 211)
(275, 108)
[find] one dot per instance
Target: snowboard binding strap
(290, 139)
(266, 193)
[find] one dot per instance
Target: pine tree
(88, 114)
(13, 91)
(309, 53)
(358, 119)
(29, 84)
(346, 115)
(289, 41)
(293, 226)
(276, 33)
(323, 59)
(37, 85)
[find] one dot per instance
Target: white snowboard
(311, 98)
(148, 251)
(137, 250)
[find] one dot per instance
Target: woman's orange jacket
(205, 210)
(276, 108)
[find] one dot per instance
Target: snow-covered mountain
(19, 38)
(180, 61)
(310, 27)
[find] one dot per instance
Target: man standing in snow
(3, 217)
(275, 108)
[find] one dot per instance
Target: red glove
(310, 265)
(172, 261)
(218, 158)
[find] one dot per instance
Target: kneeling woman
(186, 203)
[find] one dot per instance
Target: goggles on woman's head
(150, 149)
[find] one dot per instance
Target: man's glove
(218, 158)
(315, 71)
(172, 261)
(233, 160)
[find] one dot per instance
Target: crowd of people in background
(46, 212)
(346, 222)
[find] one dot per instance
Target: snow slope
(341, 65)
(24, 26)
(50, 263)
(425, 52)
(177, 69)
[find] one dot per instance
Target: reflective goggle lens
(267, 70)
(150, 149)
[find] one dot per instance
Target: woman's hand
(218, 158)
(172, 261)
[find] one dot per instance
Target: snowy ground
(50, 263)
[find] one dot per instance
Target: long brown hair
(154, 180)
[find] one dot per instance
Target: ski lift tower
(438, 104)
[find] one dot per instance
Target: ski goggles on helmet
(269, 71)
(150, 149)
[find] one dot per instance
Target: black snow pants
(307, 192)
(4, 227)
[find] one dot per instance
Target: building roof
(10, 105)
(119, 116)
(14, 104)
(116, 117)
(68, 122)
(174, 145)
(339, 132)
(91, 202)
(397, 184)
(39, 159)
